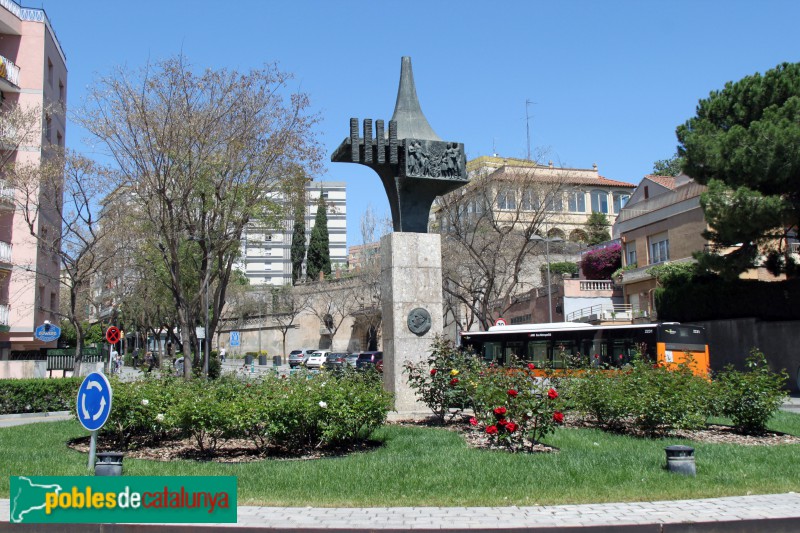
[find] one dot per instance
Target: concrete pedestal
(411, 277)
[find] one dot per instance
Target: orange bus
(553, 345)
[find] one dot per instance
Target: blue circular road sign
(94, 401)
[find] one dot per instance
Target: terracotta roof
(557, 175)
(664, 181)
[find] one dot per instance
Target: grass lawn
(432, 467)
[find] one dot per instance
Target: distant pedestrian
(113, 360)
(148, 360)
(135, 357)
(222, 354)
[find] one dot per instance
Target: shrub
(513, 404)
(203, 411)
(601, 263)
(750, 398)
(600, 394)
(437, 381)
(38, 395)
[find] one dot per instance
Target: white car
(316, 359)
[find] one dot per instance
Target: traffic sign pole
(92, 449)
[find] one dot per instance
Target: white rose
(159, 417)
(323, 405)
(145, 402)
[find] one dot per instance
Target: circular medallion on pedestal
(419, 321)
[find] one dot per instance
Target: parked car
(316, 359)
(299, 357)
(336, 360)
(369, 359)
(351, 359)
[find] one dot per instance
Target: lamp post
(547, 242)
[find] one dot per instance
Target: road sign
(94, 401)
(200, 333)
(112, 335)
(500, 322)
(234, 338)
(47, 332)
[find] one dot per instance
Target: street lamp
(547, 241)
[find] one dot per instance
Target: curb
(15, 416)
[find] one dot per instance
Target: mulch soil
(242, 451)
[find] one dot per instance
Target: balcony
(7, 196)
(9, 75)
(603, 313)
(5, 255)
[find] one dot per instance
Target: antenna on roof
(494, 148)
(528, 126)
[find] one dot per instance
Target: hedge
(38, 395)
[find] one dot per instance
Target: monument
(415, 166)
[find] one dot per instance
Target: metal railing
(9, 70)
(3, 315)
(33, 15)
(794, 247)
(603, 313)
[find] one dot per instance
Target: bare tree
(60, 203)
(287, 303)
(333, 301)
(202, 156)
(486, 230)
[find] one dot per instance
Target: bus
(561, 345)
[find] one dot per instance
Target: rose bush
(435, 380)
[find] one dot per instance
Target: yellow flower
(454, 372)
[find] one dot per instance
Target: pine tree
(298, 251)
(319, 255)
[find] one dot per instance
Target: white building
(266, 253)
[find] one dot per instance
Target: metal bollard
(108, 464)
(680, 459)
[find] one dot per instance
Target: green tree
(668, 167)
(298, 252)
(319, 254)
(597, 229)
(744, 143)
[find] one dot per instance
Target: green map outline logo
(124, 499)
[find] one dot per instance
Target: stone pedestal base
(411, 278)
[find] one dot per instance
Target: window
(49, 72)
(554, 202)
(60, 139)
(630, 253)
(620, 199)
(659, 248)
(61, 92)
(506, 200)
(599, 201)
(576, 201)
(48, 128)
(530, 201)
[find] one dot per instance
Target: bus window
(537, 353)
(623, 351)
(492, 351)
(562, 353)
(598, 352)
(514, 349)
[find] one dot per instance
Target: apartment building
(33, 75)
(266, 252)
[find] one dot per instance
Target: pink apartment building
(33, 73)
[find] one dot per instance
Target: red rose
(500, 411)
(433, 371)
(511, 427)
(552, 394)
(531, 366)
(620, 356)
(558, 417)
(596, 356)
(473, 421)
(512, 393)
(491, 430)
(453, 381)
(502, 422)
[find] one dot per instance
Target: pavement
(771, 512)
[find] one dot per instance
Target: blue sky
(609, 80)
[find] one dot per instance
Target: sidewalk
(772, 512)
